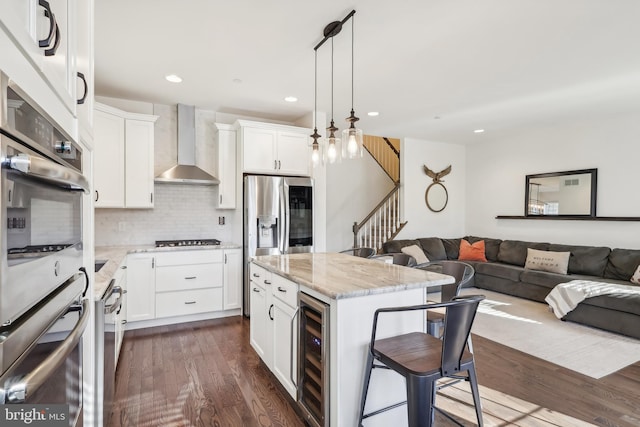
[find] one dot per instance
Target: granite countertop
(344, 276)
(115, 254)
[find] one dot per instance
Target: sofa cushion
(589, 260)
(515, 251)
(553, 262)
(491, 246)
(504, 271)
(629, 303)
(550, 280)
(416, 252)
(636, 276)
(433, 248)
(395, 246)
(452, 247)
(622, 264)
(472, 252)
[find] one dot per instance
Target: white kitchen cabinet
(232, 279)
(123, 170)
(274, 324)
(84, 66)
(48, 80)
(285, 328)
(226, 148)
(138, 160)
(141, 284)
(189, 282)
(108, 166)
(293, 153)
(260, 328)
(274, 149)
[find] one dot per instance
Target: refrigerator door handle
(284, 215)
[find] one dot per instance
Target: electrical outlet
(220, 220)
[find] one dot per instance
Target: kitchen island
(351, 289)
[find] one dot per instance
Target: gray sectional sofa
(504, 272)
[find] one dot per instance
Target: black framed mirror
(561, 194)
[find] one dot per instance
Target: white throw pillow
(636, 276)
(416, 252)
(553, 262)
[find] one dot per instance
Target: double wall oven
(43, 312)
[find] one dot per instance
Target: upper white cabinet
(274, 149)
(84, 66)
(123, 165)
(226, 148)
(44, 44)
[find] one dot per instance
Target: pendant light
(334, 151)
(317, 157)
(352, 136)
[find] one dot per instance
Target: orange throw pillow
(469, 252)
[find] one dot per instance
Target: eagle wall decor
(436, 196)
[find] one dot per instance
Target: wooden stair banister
(382, 223)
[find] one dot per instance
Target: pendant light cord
(332, 81)
(353, 23)
(315, 93)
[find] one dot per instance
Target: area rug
(530, 327)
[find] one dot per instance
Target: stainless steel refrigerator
(278, 219)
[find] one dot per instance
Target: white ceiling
(434, 69)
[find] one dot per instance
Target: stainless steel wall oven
(42, 279)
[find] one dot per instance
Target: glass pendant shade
(333, 144)
(352, 147)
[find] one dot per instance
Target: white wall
(421, 222)
(496, 176)
(354, 188)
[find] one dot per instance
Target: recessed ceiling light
(291, 99)
(173, 78)
(237, 81)
(372, 113)
(478, 131)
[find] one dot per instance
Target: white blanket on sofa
(566, 296)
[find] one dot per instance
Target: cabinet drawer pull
(86, 88)
(256, 290)
(190, 277)
(189, 302)
(281, 289)
(256, 275)
(267, 282)
(46, 42)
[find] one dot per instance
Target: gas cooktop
(194, 242)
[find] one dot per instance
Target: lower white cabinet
(190, 301)
(180, 283)
(189, 282)
(274, 324)
(141, 287)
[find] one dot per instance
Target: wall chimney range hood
(186, 171)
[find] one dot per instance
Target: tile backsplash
(180, 212)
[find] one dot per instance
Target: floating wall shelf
(572, 218)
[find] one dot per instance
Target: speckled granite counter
(115, 254)
(344, 276)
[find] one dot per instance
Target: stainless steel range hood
(186, 171)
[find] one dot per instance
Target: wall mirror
(436, 197)
(570, 193)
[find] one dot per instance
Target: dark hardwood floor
(207, 374)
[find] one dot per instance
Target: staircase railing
(385, 151)
(382, 224)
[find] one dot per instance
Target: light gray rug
(530, 327)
